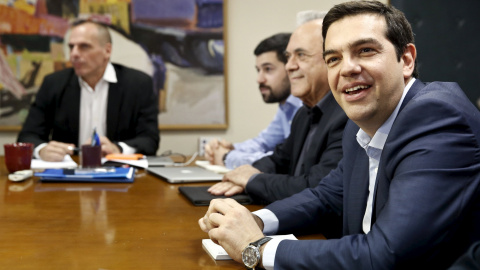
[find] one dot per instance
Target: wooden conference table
(144, 225)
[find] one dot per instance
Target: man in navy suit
(408, 186)
(117, 101)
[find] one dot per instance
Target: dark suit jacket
(427, 193)
(131, 111)
(278, 180)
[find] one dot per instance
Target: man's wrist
(118, 146)
(224, 158)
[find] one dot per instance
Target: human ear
(408, 57)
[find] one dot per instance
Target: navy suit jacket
(427, 192)
(132, 114)
(277, 180)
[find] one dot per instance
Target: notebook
(184, 174)
(97, 175)
(200, 196)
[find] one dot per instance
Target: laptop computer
(159, 161)
(184, 174)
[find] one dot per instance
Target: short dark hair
(103, 34)
(399, 31)
(277, 43)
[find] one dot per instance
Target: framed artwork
(179, 43)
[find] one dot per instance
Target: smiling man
(408, 186)
(117, 101)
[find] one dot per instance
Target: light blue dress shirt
(374, 148)
(277, 131)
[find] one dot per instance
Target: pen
(74, 149)
(95, 138)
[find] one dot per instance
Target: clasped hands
(231, 225)
(215, 150)
(56, 151)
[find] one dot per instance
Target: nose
(73, 51)
(291, 63)
(350, 67)
(260, 77)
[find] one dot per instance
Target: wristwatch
(251, 253)
(225, 157)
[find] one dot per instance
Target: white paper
(214, 168)
(66, 163)
(218, 253)
(141, 163)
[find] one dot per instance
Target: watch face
(250, 256)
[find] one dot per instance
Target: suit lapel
(72, 96)
(357, 192)
(303, 127)
(328, 108)
(113, 107)
(382, 184)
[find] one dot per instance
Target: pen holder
(91, 156)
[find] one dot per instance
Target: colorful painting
(182, 39)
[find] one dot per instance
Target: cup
(91, 156)
(18, 156)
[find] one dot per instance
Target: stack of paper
(66, 163)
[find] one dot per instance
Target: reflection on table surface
(144, 225)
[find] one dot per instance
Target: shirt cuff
(36, 151)
(268, 256)
(126, 149)
(270, 221)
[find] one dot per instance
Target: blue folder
(100, 175)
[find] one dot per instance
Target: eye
(301, 56)
(331, 61)
(287, 56)
(268, 69)
(367, 51)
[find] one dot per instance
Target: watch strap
(261, 241)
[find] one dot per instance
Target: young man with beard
(274, 87)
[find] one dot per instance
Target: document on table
(218, 253)
(67, 162)
(214, 168)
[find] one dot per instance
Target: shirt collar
(380, 137)
(322, 103)
(109, 75)
(290, 104)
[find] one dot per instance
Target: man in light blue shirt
(274, 87)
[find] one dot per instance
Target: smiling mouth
(353, 90)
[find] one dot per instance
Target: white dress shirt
(93, 110)
(374, 149)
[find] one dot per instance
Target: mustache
(262, 85)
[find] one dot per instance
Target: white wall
(247, 23)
